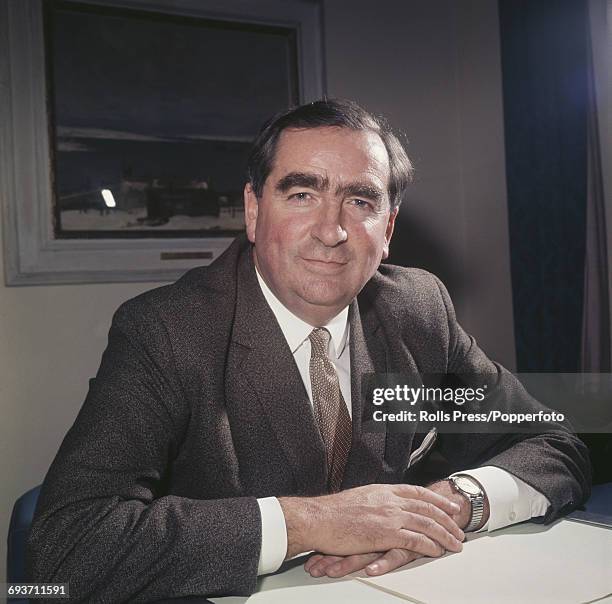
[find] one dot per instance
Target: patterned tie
(330, 409)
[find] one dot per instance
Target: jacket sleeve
(551, 459)
(103, 523)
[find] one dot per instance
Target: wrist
(463, 517)
(299, 513)
(476, 502)
(444, 487)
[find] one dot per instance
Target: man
(223, 431)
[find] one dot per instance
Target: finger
(311, 561)
(319, 568)
(351, 564)
(420, 543)
(445, 532)
(411, 491)
(393, 559)
(425, 508)
(431, 529)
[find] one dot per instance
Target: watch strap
(476, 502)
(477, 514)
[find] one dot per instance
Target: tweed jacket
(198, 408)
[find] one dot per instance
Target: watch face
(465, 483)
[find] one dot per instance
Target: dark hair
(322, 113)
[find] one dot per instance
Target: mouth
(324, 266)
(334, 262)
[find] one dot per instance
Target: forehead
(339, 154)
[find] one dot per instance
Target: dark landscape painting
(152, 116)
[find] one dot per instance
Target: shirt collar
(297, 331)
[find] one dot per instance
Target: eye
(302, 196)
(361, 203)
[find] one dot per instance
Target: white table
(566, 562)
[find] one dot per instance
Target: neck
(314, 315)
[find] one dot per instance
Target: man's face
(323, 223)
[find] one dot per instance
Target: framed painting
(129, 127)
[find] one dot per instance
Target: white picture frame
(32, 253)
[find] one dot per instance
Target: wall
(600, 13)
(433, 70)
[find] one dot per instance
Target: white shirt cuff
(511, 500)
(273, 536)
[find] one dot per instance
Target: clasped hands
(375, 527)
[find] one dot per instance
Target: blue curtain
(544, 67)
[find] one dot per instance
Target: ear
(389, 233)
(251, 208)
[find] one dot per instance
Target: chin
(324, 293)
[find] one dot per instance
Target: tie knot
(319, 341)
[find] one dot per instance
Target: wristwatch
(468, 487)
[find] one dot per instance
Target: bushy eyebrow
(361, 190)
(316, 182)
(308, 180)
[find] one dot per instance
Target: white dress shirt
(510, 499)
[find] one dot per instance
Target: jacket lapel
(368, 355)
(266, 362)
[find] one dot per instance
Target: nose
(327, 227)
